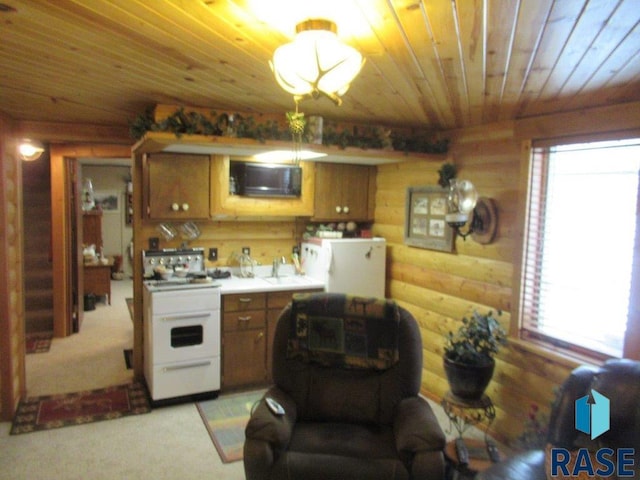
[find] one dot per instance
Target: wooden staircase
(38, 273)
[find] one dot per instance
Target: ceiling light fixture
(316, 62)
(30, 150)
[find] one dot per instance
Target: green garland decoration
(193, 123)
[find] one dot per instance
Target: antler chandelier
(316, 62)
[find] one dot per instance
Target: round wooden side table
(463, 413)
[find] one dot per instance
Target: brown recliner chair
(347, 371)
(619, 381)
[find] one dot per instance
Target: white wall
(116, 234)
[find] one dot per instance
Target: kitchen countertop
(264, 282)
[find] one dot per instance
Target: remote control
(274, 406)
(492, 449)
(462, 452)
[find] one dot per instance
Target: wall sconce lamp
(464, 206)
(316, 62)
(30, 150)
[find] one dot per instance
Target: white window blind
(579, 245)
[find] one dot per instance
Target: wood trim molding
(53, 132)
(620, 117)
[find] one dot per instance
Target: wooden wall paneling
(440, 288)
(614, 118)
(12, 321)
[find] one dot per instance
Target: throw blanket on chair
(344, 330)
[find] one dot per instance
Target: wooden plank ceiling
(435, 64)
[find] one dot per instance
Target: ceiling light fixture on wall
(316, 62)
(463, 203)
(30, 150)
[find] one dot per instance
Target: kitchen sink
(288, 280)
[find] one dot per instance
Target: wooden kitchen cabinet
(249, 322)
(177, 186)
(244, 342)
(344, 192)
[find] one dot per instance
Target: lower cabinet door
(243, 357)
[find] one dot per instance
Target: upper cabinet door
(177, 186)
(344, 192)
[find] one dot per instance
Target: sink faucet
(275, 269)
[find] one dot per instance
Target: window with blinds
(579, 245)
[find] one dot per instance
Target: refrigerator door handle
(329, 260)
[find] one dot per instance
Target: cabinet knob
(338, 209)
(345, 209)
(185, 207)
(175, 207)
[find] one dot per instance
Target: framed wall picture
(425, 226)
(108, 200)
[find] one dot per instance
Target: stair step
(38, 299)
(38, 280)
(39, 320)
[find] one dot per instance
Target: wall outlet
(246, 250)
(154, 243)
(213, 254)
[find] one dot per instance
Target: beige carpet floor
(169, 443)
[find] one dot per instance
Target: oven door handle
(185, 317)
(190, 365)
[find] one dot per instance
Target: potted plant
(468, 355)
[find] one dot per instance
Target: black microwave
(265, 179)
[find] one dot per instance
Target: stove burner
(217, 273)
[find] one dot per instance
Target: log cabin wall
(441, 288)
(267, 239)
(12, 366)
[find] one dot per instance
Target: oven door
(185, 326)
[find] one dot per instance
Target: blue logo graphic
(592, 414)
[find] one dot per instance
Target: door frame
(63, 243)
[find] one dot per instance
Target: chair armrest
(416, 427)
(274, 429)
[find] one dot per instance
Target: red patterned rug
(55, 411)
(38, 342)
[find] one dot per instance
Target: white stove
(181, 327)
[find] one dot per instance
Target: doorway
(93, 358)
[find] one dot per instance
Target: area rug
(130, 306)
(55, 411)
(226, 418)
(38, 342)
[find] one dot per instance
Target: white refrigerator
(354, 266)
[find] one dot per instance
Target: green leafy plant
(446, 173)
(477, 340)
(192, 123)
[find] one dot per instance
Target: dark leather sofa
(344, 422)
(619, 381)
